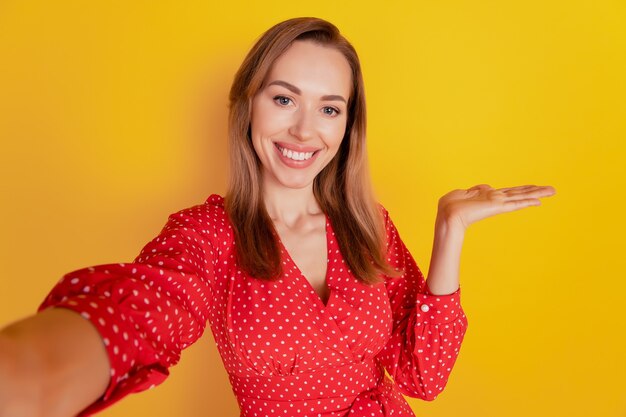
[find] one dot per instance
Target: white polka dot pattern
(286, 352)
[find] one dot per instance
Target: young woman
(308, 289)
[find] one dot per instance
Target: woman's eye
(331, 111)
(282, 100)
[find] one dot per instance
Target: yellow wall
(112, 116)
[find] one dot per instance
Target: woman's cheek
(338, 131)
(276, 117)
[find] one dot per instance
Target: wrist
(448, 225)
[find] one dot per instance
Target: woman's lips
(296, 148)
(292, 163)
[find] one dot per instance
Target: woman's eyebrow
(296, 90)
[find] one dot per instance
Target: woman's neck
(289, 206)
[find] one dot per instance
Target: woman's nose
(303, 125)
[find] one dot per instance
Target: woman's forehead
(313, 68)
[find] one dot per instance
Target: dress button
(424, 308)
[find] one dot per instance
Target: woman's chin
(290, 178)
(297, 185)
(294, 183)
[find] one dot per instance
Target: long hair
(342, 189)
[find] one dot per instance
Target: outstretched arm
(110, 330)
(51, 364)
(460, 208)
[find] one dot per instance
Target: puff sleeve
(148, 310)
(427, 329)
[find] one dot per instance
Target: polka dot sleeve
(427, 329)
(149, 310)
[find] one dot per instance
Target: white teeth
(296, 156)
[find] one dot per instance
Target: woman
(309, 291)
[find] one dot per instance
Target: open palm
(482, 201)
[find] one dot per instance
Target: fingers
(516, 188)
(512, 205)
(511, 189)
(531, 191)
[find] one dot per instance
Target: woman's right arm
(110, 330)
(52, 364)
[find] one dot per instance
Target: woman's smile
(295, 159)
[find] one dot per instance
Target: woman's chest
(283, 328)
(307, 251)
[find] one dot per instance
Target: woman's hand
(465, 207)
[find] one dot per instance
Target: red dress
(286, 353)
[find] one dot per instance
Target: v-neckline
(301, 276)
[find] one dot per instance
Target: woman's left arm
(429, 323)
(460, 208)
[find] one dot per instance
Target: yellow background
(113, 115)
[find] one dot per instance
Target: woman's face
(299, 115)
